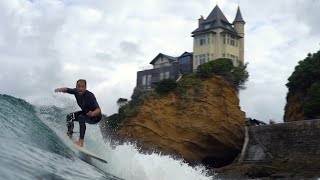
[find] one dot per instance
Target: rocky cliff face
(293, 108)
(205, 126)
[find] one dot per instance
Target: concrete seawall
(281, 141)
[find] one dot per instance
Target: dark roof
(216, 14)
(171, 59)
(186, 54)
(238, 16)
(216, 19)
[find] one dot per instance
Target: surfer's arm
(96, 112)
(63, 90)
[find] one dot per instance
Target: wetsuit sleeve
(71, 91)
(94, 103)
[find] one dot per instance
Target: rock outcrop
(303, 100)
(204, 126)
(293, 108)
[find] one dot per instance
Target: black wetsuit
(87, 102)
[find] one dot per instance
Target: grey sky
(46, 44)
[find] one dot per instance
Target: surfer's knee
(70, 117)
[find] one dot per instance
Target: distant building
(216, 38)
(164, 67)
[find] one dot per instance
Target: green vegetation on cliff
(236, 75)
(305, 80)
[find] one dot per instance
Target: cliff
(204, 125)
(303, 98)
(294, 108)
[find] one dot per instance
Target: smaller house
(164, 67)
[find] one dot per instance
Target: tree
(305, 80)
(305, 73)
(240, 75)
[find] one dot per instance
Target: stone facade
(282, 141)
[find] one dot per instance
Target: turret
(238, 24)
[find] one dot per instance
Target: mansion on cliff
(215, 37)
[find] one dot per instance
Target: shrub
(236, 75)
(205, 70)
(165, 86)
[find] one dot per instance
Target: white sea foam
(125, 161)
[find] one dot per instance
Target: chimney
(200, 20)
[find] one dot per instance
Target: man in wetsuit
(91, 112)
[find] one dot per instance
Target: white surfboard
(87, 152)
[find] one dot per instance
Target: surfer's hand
(90, 113)
(64, 89)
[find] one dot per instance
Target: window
(224, 39)
(167, 75)
(232, 39)
(161, 76)
(202, 41)
(149, 79)
(144, 80)
(196, 60)
(207, 26)
(202, 59)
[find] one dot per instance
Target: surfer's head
(81, 86)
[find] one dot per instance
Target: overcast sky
(45, 44)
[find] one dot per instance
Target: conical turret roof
(238, 17)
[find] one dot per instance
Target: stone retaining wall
(281, 141)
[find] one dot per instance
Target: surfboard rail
(89, 153)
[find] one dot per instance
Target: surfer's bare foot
(79, 143)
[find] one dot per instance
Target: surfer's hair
(82, 81)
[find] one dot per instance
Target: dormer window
(207, 26)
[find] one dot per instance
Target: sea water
(34, 145)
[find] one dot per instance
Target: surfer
(91, 112)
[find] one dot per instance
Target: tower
(239, 27)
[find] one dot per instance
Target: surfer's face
(81, 88)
